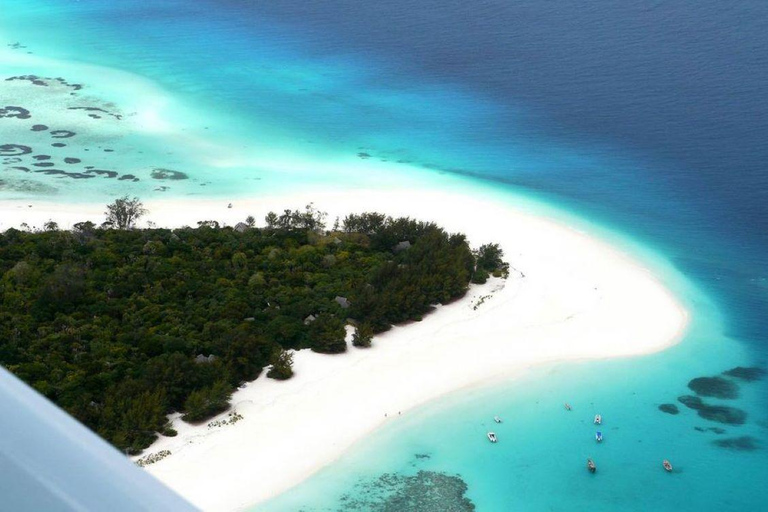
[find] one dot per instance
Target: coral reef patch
(718, 413)
(168, 174)
(746, 373)
(426, 491)
(742, 444)
(669, 408)
(717, 387)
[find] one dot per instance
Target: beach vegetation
(490, 257)
(124, 212)
(282, 365)
(121, 326)
(363, 335)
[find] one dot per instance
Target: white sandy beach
(569, 296)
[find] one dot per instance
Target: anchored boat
(492, 437)
(591, 466)
(598, 419)
(567, 406)
(667, 465)
(497, 419)
(599, 436)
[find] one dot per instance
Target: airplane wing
(50, 462)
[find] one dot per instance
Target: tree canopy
(124, 212)
(122, 326)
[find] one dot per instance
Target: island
(122, 327)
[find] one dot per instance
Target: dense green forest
(122, 326)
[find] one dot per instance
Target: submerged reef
(426, 491)
(717, 387)
(44, 81)
(62, 134)
(59, 114)
(168, 174)
(718, 413)
(716, 430)
(10, 111)
(97, 109)
(746, 373)
(34, 187)
(669, 408)
(742, 444)
(14, 150)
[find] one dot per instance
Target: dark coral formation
(102, 172)
(717, 387)
(13, 112)
(669, 408)
(62, 134)
(168, 174)
(746, 373)
(718, 413)
(13, 157)
(26, 186)
(691, 402)
(97, 109)
(426, 491)
(44, 81)
(716, 430)
(14, 150)
(742, 444)
(59, 172)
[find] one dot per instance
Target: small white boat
(492, 437)
(567, 406)
(497, 419)
(591, 467)
(667, 465)
(599, 436)
(598, 419)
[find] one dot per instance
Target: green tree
(326, 335)
(363, 335)
(124, 212)
(282, 365)
(490, 257)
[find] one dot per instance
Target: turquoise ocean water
(643, 123)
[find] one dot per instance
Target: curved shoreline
(570, 297)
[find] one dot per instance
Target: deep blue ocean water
(648, 118)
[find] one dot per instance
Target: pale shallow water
(643, 123)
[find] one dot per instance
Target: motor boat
(599, 436)
(492, 437)
(667, 465)
(497, 419)
(591, 466)
(598, 419)
(567, 406)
